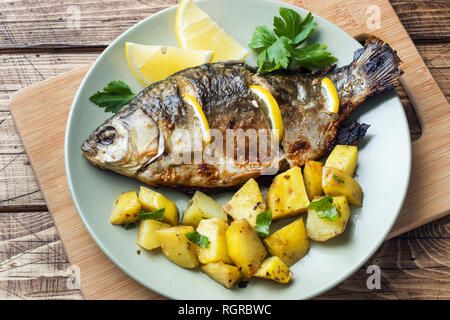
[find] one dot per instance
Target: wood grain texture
(425, 20)
(18, 186)
(404, 274)
(32, 256)
(50, 24)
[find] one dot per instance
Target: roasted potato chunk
(336, 182)
(201, 207)
(246, 203)
(126, 208)
(225, 274)
(344, 158)
(287, 195)
(152, 200)
(323, 229)
(275, 269)
(176, 247)
(147, 237)
(312, 174)
(289, 243)
(215, 230)
(245, 247)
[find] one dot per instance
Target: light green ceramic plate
(383, 171)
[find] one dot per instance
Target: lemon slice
(331, 96)
(199, 117)
(271, 110)
(154, 63)
(196, 30)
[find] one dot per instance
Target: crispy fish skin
(143, 140)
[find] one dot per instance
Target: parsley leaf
(314, 56)
(128, 226)
(307, 27)
(263, 221)
(280, 48)
(198, 239)
(325, 208)
(335, 177)
(289, 26)
(275, 56)
(155, 215)
(115, 95)
(263, 37)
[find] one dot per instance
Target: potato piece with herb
(289, 243)
(246, 203)
(176, 247)
(147, 237)
(225, 274)
(215, 230)
(126, 208)
(312, 174)
(152, 200)
(344, 158)
(201, 207)
(287, 194)
(245, 247)
(336, 182)
(321, 226)
(275, 269)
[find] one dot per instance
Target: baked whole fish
(156, 139)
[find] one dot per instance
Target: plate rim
(136, 277)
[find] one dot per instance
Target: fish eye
(107, 135)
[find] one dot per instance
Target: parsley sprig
(263, 222)
(325, 208)
(114, 96)
(198, 239)
(154, 215)
(281, 48)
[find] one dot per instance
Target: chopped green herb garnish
(198, 239)
(325, 208)
(263, 221)
(280, 48)
(335, 177)
(155, 215)
(114, 96)
(128, 226)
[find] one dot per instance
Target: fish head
(125, 143)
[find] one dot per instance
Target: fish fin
(380, 63)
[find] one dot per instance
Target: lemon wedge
(199, 117)
(331, 96)
(154, 63)
(196, 30)
(271, 110)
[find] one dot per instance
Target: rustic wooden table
(42, 39)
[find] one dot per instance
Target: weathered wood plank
(18, 186)
(49, 24)
(66, 23)
(424, 19)
(33, 264)
(414, 265)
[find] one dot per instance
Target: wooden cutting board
(40, 113)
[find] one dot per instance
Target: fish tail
(380, 63)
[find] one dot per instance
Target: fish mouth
(88, 150)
